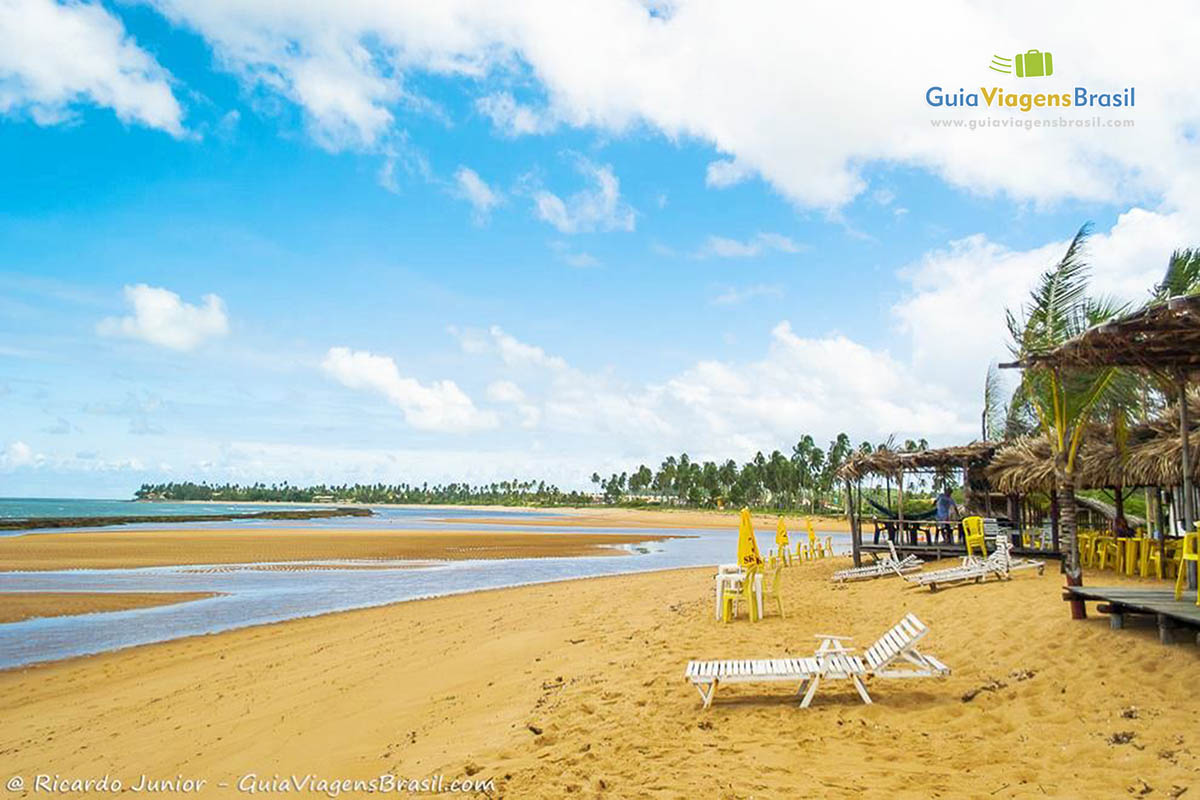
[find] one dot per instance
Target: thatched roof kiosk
(970, 458)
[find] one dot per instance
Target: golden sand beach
(16, 606)
(110, 549)
(576, 689)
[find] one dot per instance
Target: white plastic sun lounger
(894, 655)
(888, 565)
(999, 563)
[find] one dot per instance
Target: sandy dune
(16, 606)
(576, 689)
(149, 548)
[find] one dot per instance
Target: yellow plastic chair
(1107, 553)
(1087, 541)
(1132, 554)
(1169, 569)
(1146, 545)
(1190, 551)
(744, 594)
(771, 584)
(829, 546)
(973, 535)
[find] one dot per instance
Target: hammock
(890, 514)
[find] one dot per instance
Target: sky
(397, 241)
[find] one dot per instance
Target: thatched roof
(1108, 510)
(1152, 456)
(893, 462)
(1161, 336)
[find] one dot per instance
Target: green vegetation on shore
(803, 482)
(15, 523)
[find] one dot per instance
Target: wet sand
(17, 606)
(150, 548)
(576, 689)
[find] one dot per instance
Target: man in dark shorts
(945, 508)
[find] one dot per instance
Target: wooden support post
(1166, 629)
(1189, 510)
(900, 504)
(1054, 521)
(855, 530)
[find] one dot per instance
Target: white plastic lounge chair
(999, 563)
(888, 565)
(894, 656)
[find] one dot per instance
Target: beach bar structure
(896, 465)
(1162, 340)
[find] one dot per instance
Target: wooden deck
(1121, 601)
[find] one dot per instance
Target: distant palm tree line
(805, 481)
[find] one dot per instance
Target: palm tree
(1182, 276)
(1058, 310)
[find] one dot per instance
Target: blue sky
(399, 245)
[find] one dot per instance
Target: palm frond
(1057, 306)
(1182, 276)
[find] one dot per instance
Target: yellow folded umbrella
(748, 555)
(781, 536)
(812, 535)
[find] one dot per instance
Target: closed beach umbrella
(781, 537)
(748, 555)
(812, 535)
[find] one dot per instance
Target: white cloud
(598, 208)
(56, 56)
(953, 314)
(580, 260)
(505, 392)
(846, 387)
(724, 173)
(439, 406)
(574, 258)
(723, 247)
(739, 406)
(697, 73)
(516, 353)
(19, 454)
(734, 295)
(508, 393)
(161, 317)
(470, 187)
(510, 117)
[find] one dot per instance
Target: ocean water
(251, 595)
(383, 516)
(26, 507)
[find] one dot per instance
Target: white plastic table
(729, 578)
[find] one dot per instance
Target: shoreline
(706, 517)
(278, 624)
(175, 547)
(50, 523)
(22, 606)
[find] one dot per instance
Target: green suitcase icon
(1034, 64)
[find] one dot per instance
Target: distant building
(322, 498)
